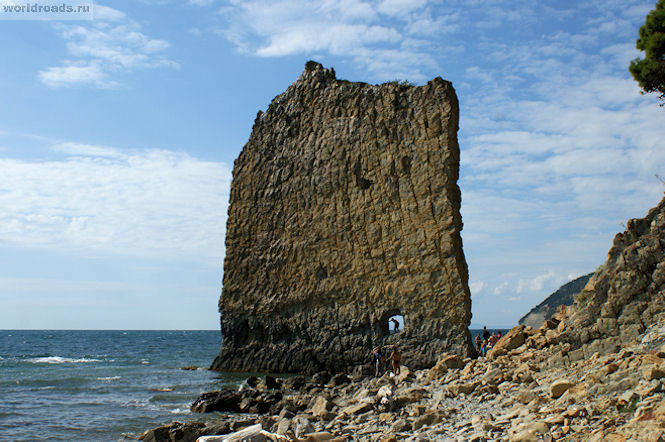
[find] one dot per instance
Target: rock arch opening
(395, 324)
(390, 322)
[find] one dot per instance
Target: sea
(87, 385)
(102, 385)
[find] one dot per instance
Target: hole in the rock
(395, 324)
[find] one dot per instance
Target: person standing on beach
(479, 343)
(379, 360)
(493, 340)
(486, 333)
(396, 358)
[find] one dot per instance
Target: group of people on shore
(380, 360)
(485, 341)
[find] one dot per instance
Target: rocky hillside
(344, 211)
(563, 296)
(627, 293)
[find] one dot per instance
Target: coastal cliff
(345, 211)
(626, 295)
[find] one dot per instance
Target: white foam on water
(61, 360)
(180, 411)
(109, 378)
(144, 362)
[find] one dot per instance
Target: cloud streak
(152, 203)
(110, 45)
(385, 38)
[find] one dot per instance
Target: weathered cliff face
(345, 210)
(626, 294)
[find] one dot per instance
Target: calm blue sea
(101, 385)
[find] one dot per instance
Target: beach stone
(339, 379)
(249, 434)
(493, 375)
(221, 400)
(400, 426)
(294, 382)
(319, 436)
(462, 388)
(356, 409)
(344, 210)
(452, 361)
(526, 396)
(405, 375)
(626, 398)
(651, 373)
(559, 387)
(271, 383)
(283, 426)
(287, 412)
(384, 400)
(515, 337)
(438, 371)
(425, 420)
(321, 378)
(175, 431)
(302, 426)
(321, 406)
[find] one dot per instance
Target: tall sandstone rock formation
(627, 293)
(345, 210)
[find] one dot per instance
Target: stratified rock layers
(345, 210)
(627, 293)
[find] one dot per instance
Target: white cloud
(73, 74)
(498, 290)
(200, 2)
(352, 28)
(400, 7)
(476, 287)
(109, 45)
(536, 284)
(153, 203)
(87, 150)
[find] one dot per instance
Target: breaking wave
(60, 360)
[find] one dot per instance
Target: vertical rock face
(345, 210)
(627, 293)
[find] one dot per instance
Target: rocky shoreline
(528, 388)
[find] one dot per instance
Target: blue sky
(118, 135)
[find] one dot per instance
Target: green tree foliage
(650, 71)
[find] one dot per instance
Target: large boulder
(515, 337)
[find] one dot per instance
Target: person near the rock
(396, 358)
(498, 334)
(479, 343)
(379, 360)
(493, 340)
(483, 349)
(395, 324)
(486, 333)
